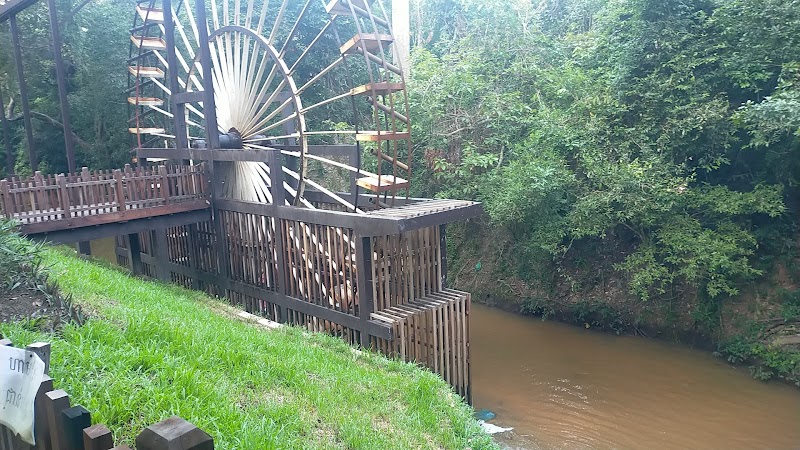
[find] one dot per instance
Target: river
(565, 387)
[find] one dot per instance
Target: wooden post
(84, 247)
(42, 349)
(41, 429)
(161, 250)
(97, 437)
(278, 198)
(23, 93)
(174, 433)
(8, 205)
(135, 253)
(162, 170)
(63, 197)
(55, 403)
(443, 259)
(75, 419)
(119, 191)
(179, 109)
(6, 436)
(194, 247)
(364, 285)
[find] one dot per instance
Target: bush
(20, 260)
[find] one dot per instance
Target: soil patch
(25, 303)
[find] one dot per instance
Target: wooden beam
(67, 236)
(372, 327)
(112, 217)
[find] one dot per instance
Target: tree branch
(52, 122)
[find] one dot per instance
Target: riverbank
(758, 328)
(149, 351)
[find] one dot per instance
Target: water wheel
(300, 77)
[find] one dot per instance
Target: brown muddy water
(564, 387)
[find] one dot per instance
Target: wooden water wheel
(288, 75)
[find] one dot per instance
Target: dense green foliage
(96, 84)
(19, 260)
(151, 351)
(668, 130)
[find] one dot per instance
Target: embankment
(149, 351)
(760, 327)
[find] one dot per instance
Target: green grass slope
(151, 351)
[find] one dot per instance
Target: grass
(152, 351)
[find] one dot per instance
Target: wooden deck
(48, 204)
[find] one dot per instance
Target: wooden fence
(46, 203)
(59, 426)
(363, 282)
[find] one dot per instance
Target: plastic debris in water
(484, 414)
(492, 428)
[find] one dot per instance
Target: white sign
(21, 374)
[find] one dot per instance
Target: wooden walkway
(51, 204)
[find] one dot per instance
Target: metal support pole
(61, 79)
(10, 160)
(23, 93)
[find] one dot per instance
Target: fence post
(162, 170)
(43, 350)
(75, 419)
(41, 429)
(7, 204)
(97, 437)
(174, 432)
(56, 402)
(61, 180)
(41, 198)
(119, 191)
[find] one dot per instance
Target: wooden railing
(59, 426)
(43, 203)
